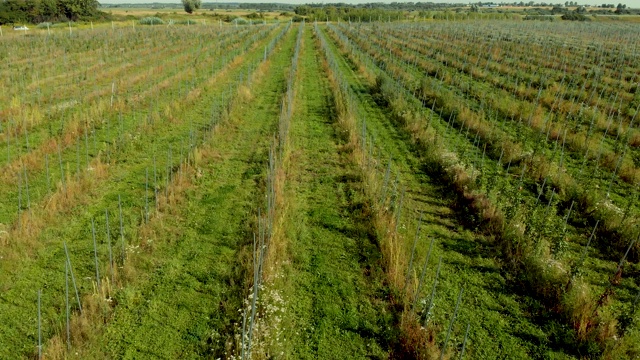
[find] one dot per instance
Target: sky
(629, 3)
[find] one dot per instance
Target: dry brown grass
(383, 220)
(245, 93)
(579, 305)
(22, 235)
(628, 172)
(277, 252)
(96, 308)
(418, 342)
(634, 139)
(392, 243)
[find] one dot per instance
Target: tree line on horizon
(37, 11)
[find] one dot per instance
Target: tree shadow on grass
(469, 248)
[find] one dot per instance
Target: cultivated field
(198, 15)
(288, 190)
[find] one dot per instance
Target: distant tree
(191, 5)
(303, 10)
(620, 8)
(35, 11)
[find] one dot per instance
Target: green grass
(335, 302)
(501, 325)
(112, 128)
(597, 270)
(189, 271)
(45, 268)
(189, 305)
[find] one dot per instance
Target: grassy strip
(269, 242)
(327, 297)
(198, 243)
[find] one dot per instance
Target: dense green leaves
(36, 11)
(191, 5)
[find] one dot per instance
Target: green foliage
(191, 5)
(240, 21)
(16, 11)
(229, 18)
(254, 15)
(151, 20)
(574, 16)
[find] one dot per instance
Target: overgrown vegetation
(191, 5)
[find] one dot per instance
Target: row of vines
(536, 129)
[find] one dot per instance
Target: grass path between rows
(502, 319)
(335, 302)
(189, 306)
